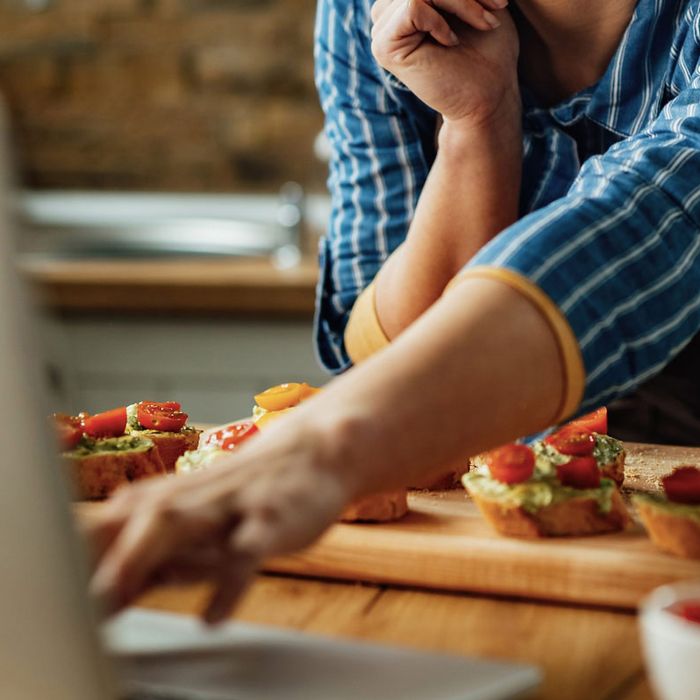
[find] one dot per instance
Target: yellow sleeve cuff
(364, 335)
(574, 379)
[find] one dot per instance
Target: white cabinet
(213, 366)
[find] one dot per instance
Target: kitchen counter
(242, 286)
(586, 654)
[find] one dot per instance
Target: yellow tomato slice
(307, 391)
(279, 397)
(266, 418)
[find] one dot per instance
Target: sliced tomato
(596, 422)
(242, 432)
(232, 435)
(687, 609)
(68, 429)
(579, 473)
(511, 464)
(573, 441)
(682, 485)
(107, 424)
(159, 416)
(307, 391)
(281, 396)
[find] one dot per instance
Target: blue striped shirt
(610, 203)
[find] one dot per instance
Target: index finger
(153, 536)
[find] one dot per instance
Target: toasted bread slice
(171, 445)
(381, 507)
(572, 517)
(670, 531)
(97, 475)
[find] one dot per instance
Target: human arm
(473, 188)
(382, 144)
(471, 194)
(619, 253)
(382, 139)
(450, 385)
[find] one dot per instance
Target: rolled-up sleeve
(619, 256)
(382, 143)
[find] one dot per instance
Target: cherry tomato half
(281, 396)
(511, 464)
(682, 485)
(579, 473)
(307, 391)
(161, 416)
(596, 422)
(232, 435)
(239, 435)
(107, 424)
(68, 429)
(175, 405)
(574, 441)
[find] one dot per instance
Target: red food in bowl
(687, 609)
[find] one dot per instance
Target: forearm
(471, 194)
(451, 386)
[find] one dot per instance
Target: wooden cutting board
(443, 543)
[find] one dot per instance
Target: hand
(459, 65)
(217, 524)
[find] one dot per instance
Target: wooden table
(585, 653)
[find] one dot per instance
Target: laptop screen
(48, 648)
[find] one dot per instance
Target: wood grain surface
(443, 543)
(586, 654)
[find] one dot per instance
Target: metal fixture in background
(121, 225)
(290, 215)
(38, 5)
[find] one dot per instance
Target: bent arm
(451, 385)
(382, 143)
(471, 194)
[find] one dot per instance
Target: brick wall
(200, 95)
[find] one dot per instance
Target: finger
(418, 17)
(193, 567)
(98, 526)
(379, 8)
(494, 4)
(146, 542)
(247, 545)
(470, 12)
(233, 581)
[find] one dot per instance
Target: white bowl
(671, 644)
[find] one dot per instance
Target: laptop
(52, 646)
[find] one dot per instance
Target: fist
(457, 56)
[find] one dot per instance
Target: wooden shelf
(184, 286)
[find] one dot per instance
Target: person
(514, 240)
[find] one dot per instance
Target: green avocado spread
(686, 510)
(543, 488)
(126, 443)
(607, 449)
(535, 493)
